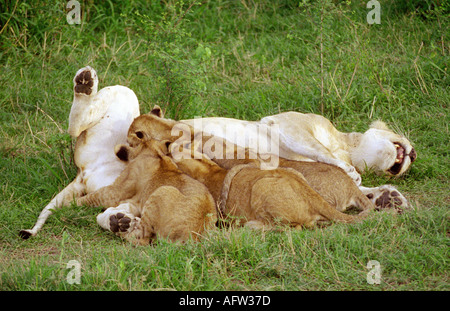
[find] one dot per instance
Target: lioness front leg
(308, 146)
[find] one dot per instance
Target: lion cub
(331, 182)
(171, 204)
(260, 198)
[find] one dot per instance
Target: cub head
(384, 151)
(153, 125)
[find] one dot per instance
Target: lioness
(170, 204)
(330, 182)
(99, 121)
(314, 137)
(154, 125)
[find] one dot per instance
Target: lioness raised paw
(85, 81)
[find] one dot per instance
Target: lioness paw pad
(119, 222)
(84, 82)
(388, 198)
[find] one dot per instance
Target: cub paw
(119, 222)
(85, 81)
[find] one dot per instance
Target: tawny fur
(263, 197)
(171, 204)
(154, 125)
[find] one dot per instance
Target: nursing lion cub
(170, 204)
(258, 198)
(330, 182)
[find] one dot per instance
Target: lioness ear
(157, 111)
(122, 152)
(379, 125)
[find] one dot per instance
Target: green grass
(240, 59)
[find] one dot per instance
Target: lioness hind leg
(123, 220)
(85, 81)
(75, 189)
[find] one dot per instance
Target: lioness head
(384, 151)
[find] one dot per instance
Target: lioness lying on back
(271, 191)
(171, 204)
(329, 181)
(154, 125)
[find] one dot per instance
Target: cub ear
(157, 111)
(163, 149)
(380, 125)
(167, 144)
(122, 152)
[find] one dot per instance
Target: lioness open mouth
(400, 159)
